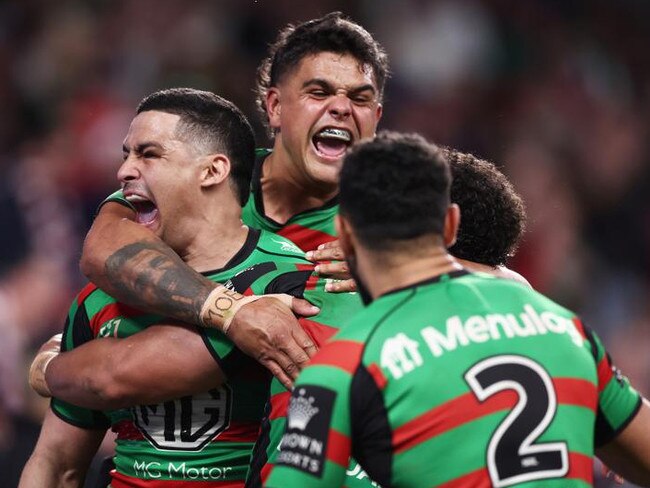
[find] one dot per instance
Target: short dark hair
(493, 215)
(330, 33)
(394, 187)
(208, 119)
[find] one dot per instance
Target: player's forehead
(337, 69)
(152, 126)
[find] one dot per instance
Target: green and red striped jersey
(336, 310)
(307, 229)
(463, 380)
(199, 440)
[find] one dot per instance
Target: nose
(340, 106)
(129, 170)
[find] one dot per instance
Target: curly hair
(330, 33)
(394, 188)
(493, 215)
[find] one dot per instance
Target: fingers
(338, 270)
(334, 286)
(277, 371)
(302, 307)
(330, 251)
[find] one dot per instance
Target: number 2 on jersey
(513, 456)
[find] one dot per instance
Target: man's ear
(215, 171)
(452, 223)
(273, 107)
(343, 232)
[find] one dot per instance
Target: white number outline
(527, 447)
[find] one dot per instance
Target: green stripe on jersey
(153, 441)
(441, 368)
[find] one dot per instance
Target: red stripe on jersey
(126, 430)
(85, 291)
(120, 480)
(449, 415)
(581, 467)
(343, 354)
(239, 432)
(320, 333)
(573, 391)
(377, 375)
(338, 448)
(605, 373)
(112, 311)
(465, 408)
(476, 479)
(312, 281)
(266, 472)
(305, 238)
(279, 405)
(581, 328)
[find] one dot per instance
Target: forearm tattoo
(153, 278)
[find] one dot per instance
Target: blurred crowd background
(555, 92)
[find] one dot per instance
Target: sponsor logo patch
(304, 444)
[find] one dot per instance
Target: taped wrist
(37, 372)
(220, 307)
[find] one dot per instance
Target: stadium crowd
(556, 91)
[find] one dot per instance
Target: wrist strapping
(222, 304)
(220, 307)
(37, 372)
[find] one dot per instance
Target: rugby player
(449, 378)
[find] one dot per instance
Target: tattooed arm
(136, 267)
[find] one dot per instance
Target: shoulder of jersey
(275, 244)
(519, 288)
(93, 297)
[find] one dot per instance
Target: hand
(337, 270)
(46, 353)
(267, 330)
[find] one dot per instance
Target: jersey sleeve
(117, 197)
(618, 401)
(77, 331)
(315, 448)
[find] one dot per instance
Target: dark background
(556, 92)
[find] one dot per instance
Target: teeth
(136, 198)
(331, 133)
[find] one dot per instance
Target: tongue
(332, 148)
(145, 213)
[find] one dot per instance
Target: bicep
(162, 362)
(167, 361)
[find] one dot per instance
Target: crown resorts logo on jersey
(304, 444)
(288, 246)
(399, 354)
(301, 411)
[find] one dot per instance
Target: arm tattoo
(151, 277)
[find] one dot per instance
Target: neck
(286, 191)
(217, 235)
(383, 272)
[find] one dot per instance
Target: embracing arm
(160, 363)
(628, 454)
(61, 456)
(136, 267)
(133, 265)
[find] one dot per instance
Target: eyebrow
(328, 86)
(142, 147)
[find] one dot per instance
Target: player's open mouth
(146, 210)
(331, 142)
